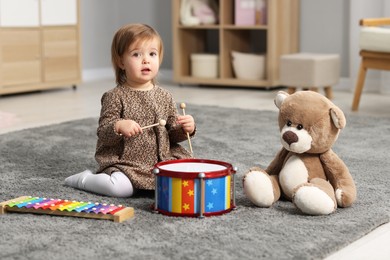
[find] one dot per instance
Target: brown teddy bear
(305, 171)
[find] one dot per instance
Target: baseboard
(97, 74)
(372, 85)
(108, 73)
(345, 84)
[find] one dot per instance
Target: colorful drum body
(194, 187)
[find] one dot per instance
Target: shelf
(245, 27)
(199, 27)
(226, 26)
(277, 37)
(232, 82)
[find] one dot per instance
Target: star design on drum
(210, 205)
(186, 206)
(185, 183)
(214, 191)
(209, 182)
(190, 193)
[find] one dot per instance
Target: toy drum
(194, 187)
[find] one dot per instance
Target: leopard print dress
(136, 156)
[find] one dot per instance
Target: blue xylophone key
(102, 209)
(41, 203)
(25, 202)
(87, 206)
(94, 209)
(32, 203)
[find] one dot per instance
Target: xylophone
(59, 207)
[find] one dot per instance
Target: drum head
(190, 168)
(193, 167)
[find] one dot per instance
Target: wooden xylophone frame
(120, 216)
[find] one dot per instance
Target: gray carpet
(36, 161)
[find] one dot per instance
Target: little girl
(125, 152)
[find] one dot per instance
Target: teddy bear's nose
(290, 137)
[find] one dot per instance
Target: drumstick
(183, 106)
(161, 122)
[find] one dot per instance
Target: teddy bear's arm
(277, 163)
(340, 178)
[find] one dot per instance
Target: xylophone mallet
(183, 106)
(161, 122)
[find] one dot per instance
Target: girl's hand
(128, 128)
(187, 123)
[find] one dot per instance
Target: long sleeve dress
(136, 156)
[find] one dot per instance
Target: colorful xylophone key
(28, 204)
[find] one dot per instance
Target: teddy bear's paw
(255, 169)
(258, 188)
(313, 201)
(339, 197)
(345, 198)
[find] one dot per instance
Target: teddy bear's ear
(280, 97)
(338, 117)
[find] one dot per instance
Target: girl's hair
(126, 36)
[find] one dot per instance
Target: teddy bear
(196, 12)
(306, 170)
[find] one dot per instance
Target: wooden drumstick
(183, 106)
(161, 122)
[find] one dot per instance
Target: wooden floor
(43, 108)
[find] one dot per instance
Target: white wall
(101, 18)
(325, 28)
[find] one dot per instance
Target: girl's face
(141, 63)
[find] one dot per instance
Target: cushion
(375, 39)
(309, 69)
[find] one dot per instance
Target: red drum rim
(194, 175)
(196, 215)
